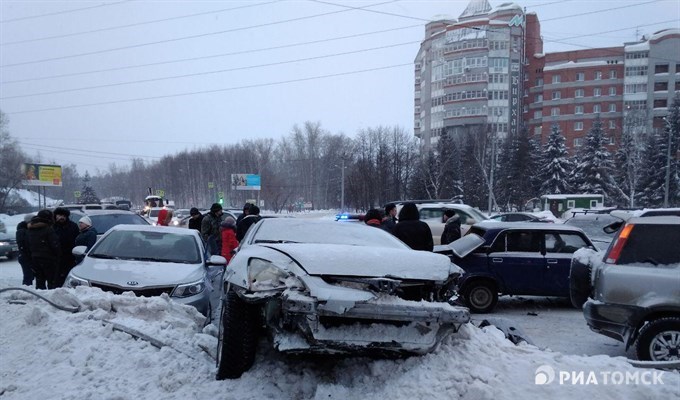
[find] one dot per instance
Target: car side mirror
(217, 260)
(79, 250)
(613, 227)
(471, 221)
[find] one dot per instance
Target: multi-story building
(487, 72)
(468, 73)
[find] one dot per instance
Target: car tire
(480, 296)
(237, 339)
(580, 287)
(662, 335)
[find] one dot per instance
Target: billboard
(245, 181)
(41, 174)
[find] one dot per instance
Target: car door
(559, 249)
(516, 258)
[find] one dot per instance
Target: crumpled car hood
(365, 261)
(145, 273)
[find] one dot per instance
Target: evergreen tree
(475, 189)
(556, 165)
(518, 168)
(87, 195)
(627, 160)
(652, 178)
(594, 171)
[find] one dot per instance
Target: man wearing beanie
(43, 245)
(67, 231)
(247, 221)
(196, 219)
(88, 235)
(210, 228)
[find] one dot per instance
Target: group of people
(410, 229)
(45, 243)
(222, 233)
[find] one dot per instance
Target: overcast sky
(97, 82)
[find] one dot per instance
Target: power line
(599, 11)
(210, 72)
(136, 24)
(86, 153)
(187, 37)
(212, 90)
(215, 55)
(62, 12)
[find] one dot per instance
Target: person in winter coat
(164, 217)
(411, 230)
(246, 208)
(196, 219)
(210, 228)
(24, 252)
(373, 217)
(451, 227)
(88, 235)
(390, 219)
(247, 221)
(67, 231)
(229, 242)
(45, 250)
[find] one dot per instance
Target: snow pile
(48, 353)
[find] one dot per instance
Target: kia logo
(133, 283)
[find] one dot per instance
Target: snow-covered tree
(87, 194)
(595, 168)
(518, 176)
(556, 165)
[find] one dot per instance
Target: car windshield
(154, 212)
(148, 246)
(593, 226)
(300, 230)
(104, 222)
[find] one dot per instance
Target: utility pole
(668, 164)
(342, 186)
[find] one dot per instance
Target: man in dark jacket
(210, 228)
(247, 221)
(88, 235)
(196, 219)
(67, 231)
(246, 208)
(451, 227)
(24, 252)
(390, 219)
(411, 230)
(43, 244)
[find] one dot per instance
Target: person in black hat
(196, 219)
(45, 250)
(210, 228)
(247, 221)
(246, 208)
(67, 231)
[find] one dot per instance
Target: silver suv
(632, 293)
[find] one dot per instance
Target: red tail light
(618, 245)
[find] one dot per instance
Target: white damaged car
(323, 287)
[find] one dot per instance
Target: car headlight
(73, 281)
(264, 275)
(189, 289)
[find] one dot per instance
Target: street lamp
(668, 162)
(342, 186)
(498, 115)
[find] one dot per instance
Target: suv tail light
(615, 252)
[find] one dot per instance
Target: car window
(563, 242)
(427, 213)
(653, 243)
(518, 241)
(104, 222)
(159, 246)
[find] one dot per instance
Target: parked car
(631, 291)
(517, 217)
(514, 258)
(8, 246)
(319, 286)
(150, 261)
(103, 220)
(594, 226)
(433, 215)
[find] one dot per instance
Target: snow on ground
(46, 353)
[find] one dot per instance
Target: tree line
(383, 164)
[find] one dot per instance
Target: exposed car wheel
(237, 340)
(480, 296)
(659, 340)
(580, 287)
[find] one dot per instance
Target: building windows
(577, 143)
(555, 111)
(498, 94)
(660, 86)
(635, 88)
(637, 54)
(556, 79)
(612, 91)
(538, 114)
(612, 124)
(612, 74)
(498, 62)
(612, 107)
(498, 78)
(660, 103)
(598, 75)
(596, 108)
(539, 81)
(640, 70)
(612, 141)
(580, 76)
(556, 95)
(538, 98)
(538, 130)
(578, 110)
(635, 105)
(597, 92)
(578, 126)
(578, 93)
(661, 69)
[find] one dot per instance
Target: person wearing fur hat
(43, 245)
(88, 235)
(229, 242)
(67, 231)
(210, 228)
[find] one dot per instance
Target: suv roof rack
(454, 199)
